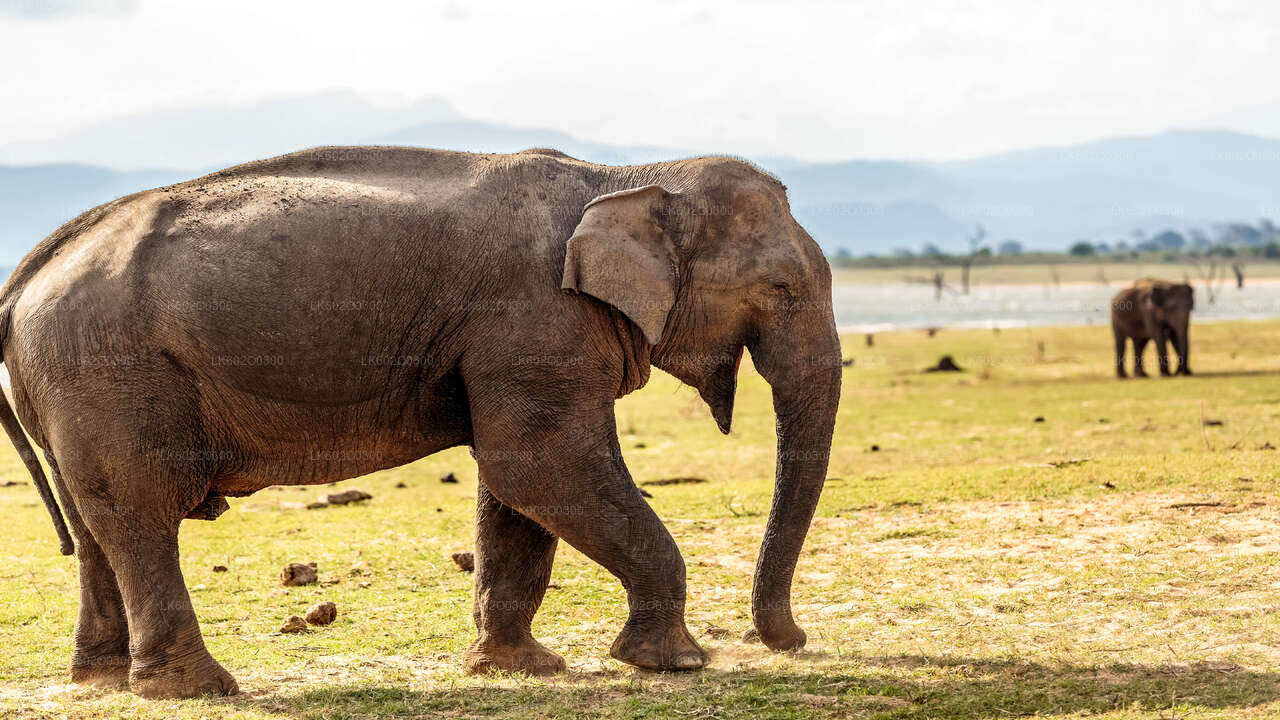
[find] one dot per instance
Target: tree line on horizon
(1227, 240)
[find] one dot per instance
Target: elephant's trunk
(805, 377)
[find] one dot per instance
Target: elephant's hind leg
(513, 558)
(132, 493)
(101, 657)
(167, 653)
(1139, 347)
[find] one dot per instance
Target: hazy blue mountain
(1103, 190)
(35, 200)
(1047, 198)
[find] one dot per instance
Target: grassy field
(1073, 272)
(1116, 558)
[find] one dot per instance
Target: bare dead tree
(975, 244)
(1212, 278)
(936, 281)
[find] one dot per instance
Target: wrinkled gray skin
(326, 314)
(1153, 309)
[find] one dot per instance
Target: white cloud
(43, 9)
(880, 78)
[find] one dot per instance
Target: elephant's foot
(670, 649)
(1185, 371)
(189, 679)
(105, 671)
(1121, 374)
(1140, 373)
(526, 655)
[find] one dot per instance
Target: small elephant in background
(1153, 309)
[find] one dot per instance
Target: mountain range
(1046, 198)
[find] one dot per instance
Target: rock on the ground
(322, 613)
(465, 560)
(344, 497)
(945, 364)
(450, 478)
(298, 574)
(219, 568)
(294, 624)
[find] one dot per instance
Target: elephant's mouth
(720, 390)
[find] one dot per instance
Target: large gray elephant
(1153, 309)
(334, 312)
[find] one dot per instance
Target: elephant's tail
(19, 439)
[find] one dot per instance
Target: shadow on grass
(1234, 374)
(898, 687)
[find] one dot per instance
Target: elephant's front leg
(557, 462)
(1120, 339)
(1162, 351)
(1183, 348)
(513, 558)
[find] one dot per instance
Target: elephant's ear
(1157, 295)
(619, 253)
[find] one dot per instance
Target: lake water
(874, 308)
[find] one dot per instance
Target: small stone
(875, 448)
(946, 363)
(298, 574)
(1039, 419)
(465, 561)
(718, 633)
(219, 568)
(294, 624)
(450, 478)
(345, 497)
(322, 613)
(751, 636)
(401, 485)
(317, 505)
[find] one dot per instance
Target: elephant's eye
(783, 299)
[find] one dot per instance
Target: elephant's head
(1171, 304)
(707, 260)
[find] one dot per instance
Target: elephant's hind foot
(527, 656)
(108, 672)
(674, 649)
(193, 678)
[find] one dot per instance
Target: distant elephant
(326, 314)
(1157, 310)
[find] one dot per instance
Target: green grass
(1117, 560)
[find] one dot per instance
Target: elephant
(337, 311)
(1153, 309)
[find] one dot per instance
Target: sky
(815, 79)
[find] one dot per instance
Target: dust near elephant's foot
(106, 672)
(674, 649)
(203, 677)
(528, 656)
